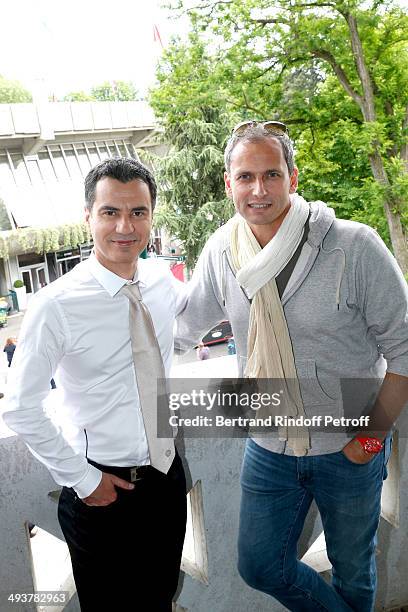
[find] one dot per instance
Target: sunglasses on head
(276, 127)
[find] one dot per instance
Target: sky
(73, 45)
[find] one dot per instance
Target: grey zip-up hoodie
(346, 307)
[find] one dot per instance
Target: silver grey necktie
(150, 378)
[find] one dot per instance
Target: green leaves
(13, 92)
(108, 91)
(335, 71)
(43, 239)
(192, 201)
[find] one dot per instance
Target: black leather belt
(131, 474)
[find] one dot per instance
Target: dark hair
(255, 133)
(123, 169)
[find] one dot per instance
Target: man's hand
(391, 400)
(105, 493)
(355, 453)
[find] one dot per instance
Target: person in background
(9, 349)
(231, 347)
(203, 352)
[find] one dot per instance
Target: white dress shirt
(78, 328)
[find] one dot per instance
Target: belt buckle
(133, 474)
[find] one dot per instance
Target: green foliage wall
(43, 240)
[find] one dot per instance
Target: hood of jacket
(320, 221)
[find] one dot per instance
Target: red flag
(178, 271)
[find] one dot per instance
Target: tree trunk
(362, 69)
(398, 238)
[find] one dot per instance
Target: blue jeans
(277, 491)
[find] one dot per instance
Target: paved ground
(12, 329)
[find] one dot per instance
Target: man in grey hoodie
(321, 302)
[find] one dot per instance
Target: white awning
(46, 204)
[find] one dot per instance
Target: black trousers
(126, 556)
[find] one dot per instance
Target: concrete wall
(217, 464)
(24, 488)
(11, 270)
(3, 283)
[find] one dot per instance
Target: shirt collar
(110, 281)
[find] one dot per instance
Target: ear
(87, 214)
(227, 181)
(294, 180)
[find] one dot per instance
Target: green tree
(108, 91)
(191, 187)
(335, 70)
(78, 96)
(115, 91)
(185, 82)
(13, 91)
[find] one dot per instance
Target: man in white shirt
(124, 526)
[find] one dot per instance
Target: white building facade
(46, 150)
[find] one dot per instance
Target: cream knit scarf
(270, 354)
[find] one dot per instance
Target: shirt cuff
(88, 484)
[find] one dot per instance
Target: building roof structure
(47, 149)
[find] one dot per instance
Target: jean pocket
(359, 465)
